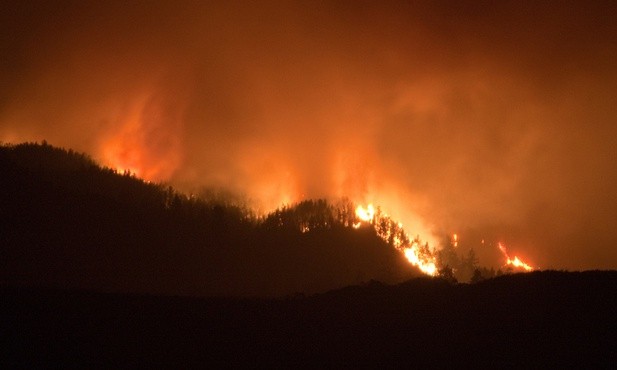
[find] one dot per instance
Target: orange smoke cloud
(495, 117)
(146, 140)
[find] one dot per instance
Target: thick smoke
(491, 119)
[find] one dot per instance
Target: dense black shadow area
(69, 223)
(556, 319)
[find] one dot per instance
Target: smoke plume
(494, 120)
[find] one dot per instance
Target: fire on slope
(514, 262)
(417, 253)
(364, 215)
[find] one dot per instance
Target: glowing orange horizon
(122, 159)
(146, 142)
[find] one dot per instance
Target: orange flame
(515, 262)
(413, 256)
(366, 214)
(395, 234)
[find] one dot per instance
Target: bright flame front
(366, 214)
(393, 233)
(515, 262)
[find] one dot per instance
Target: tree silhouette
(446, 273)
(447, 256)
(468, 265)
(69, 221)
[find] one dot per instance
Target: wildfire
(366, 214)
(515, 262)
(146, 139)
(413, 256)
(394, 234)
(123, 158)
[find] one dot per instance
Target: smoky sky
(492, 119)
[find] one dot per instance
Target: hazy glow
(494, 119)
(144, 140)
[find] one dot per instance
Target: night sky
(495, 120)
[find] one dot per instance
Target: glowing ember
(455, 240)
(515, 262)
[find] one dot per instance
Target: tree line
(68, 220)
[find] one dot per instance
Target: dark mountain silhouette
(535, 320)
(69, 223)
(101, 269)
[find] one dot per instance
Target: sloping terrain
(68, 223)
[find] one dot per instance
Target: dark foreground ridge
(523, 321)
(70, 223)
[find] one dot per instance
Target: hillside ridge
(74, 224)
